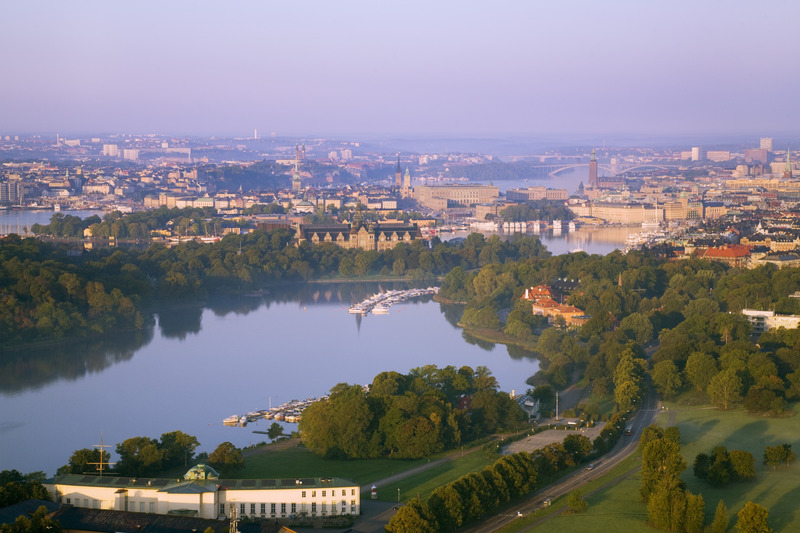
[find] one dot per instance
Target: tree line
(409, 416)
(48, 292)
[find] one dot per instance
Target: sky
(383, 68)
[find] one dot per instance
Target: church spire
(787, 171)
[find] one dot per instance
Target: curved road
(625, 447)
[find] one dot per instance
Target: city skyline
(371, 70)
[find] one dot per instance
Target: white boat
(380, 310)
(232, 420)
(572, 226)
(557, 225)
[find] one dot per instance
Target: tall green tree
(226, 459)
(725, 389)
(721, 519)
(753, 518)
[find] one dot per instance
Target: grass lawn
(616, 508)
(426, 482)
(300, 462)
(702, 428)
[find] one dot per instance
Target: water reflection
(32, 369)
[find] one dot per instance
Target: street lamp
(398, 495)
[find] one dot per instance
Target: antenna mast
(102, 452)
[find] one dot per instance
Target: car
(591, 466)
(547, 502)
(628, 431)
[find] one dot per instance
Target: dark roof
(9, 514)
(103, 520)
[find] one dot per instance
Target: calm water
(201, 364)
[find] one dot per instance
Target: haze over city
(540, 69)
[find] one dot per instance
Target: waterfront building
(201, 493)
(619, 212)
(441, 197)
(537, 193)
(544, 303)
(377, 236)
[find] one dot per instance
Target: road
(625, 447)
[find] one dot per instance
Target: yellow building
(442, 196)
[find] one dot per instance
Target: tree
(37, 523)
(661, 459)
(774, 455)
(753, 519)
(226, 458)
(743, 465)
(725, 389)
(139, 456)
(178, 448)
(275, 430)
(695, 513)
(700, 368)
(85, 460)
(576, 502)
(413, 516)
(666, 378)
(721, 519)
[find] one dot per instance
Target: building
(619, 212)
(398, 175)
(697, 153)
(111, 150)
(766, 320)
(766, 143)
(130, 154)
(441, 197)
(537, 193)
(202, 494)
(359, 235)
(544, 303)
(759, 155)
(12, 192)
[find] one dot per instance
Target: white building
(201, 493)
(766, 320)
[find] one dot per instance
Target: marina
(379, 304)
(290, 412)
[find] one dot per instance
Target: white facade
(205, 496)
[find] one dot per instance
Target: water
(19, 221)
(202, 364)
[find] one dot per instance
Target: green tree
(661, 459)
(226, 458)
(695, 513)
(275, 430)
(37, 523)
(700, 369)
(576, 502)
(139, 456)
(753, 518)
(666, 378)
(413, 516)
(178, 448)
(721, 519)
(725, 389)
(84, 461)
(743, 465)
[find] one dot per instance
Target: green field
(426, 482)
(300, 462)
(618, 508)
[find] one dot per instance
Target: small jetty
(288, 412)
(380, 303)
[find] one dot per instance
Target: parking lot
(540, 440)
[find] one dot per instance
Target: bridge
(614, 170)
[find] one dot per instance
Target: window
(263, 509)
(86, 503)
(252, 508)
(313, 494)
(303, 494)
(323, 493)
(222, 509)
(272, 509)
(141, 507)
(352, 492)
(294, 508)
(96, 504)
(313, 508)
(283, 509)
(241, 509)
(344, 492)
(68, 500)
(352, 506)
(152, 507)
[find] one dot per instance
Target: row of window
(292, 508)
(325, 495)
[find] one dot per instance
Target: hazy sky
(377, 67)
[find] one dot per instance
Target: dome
(201, 472)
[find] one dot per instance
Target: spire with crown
(594, 158)
(787, 171)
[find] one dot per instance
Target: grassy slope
(619, 508)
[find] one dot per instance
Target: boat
(232, 420)
(557, 225)
(572, 226)
(380, 310)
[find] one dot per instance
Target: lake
(200, 364)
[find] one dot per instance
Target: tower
(297, 184)
(398, 174)
(407, 179)
(594, 182)
(787, 171)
